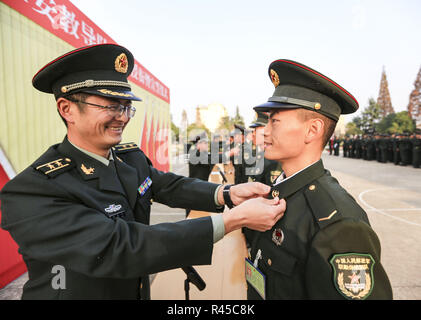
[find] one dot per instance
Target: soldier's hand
(244, 191)
(258, 214)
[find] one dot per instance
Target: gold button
(312, 187)
(317, 106)
(63, 89)
(269, 262)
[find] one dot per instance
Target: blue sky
(219, 51)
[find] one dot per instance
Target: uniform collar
(298, 180)
(89, 167)
(103, 160)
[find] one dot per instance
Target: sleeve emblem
(353, 274)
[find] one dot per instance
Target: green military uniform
(238, 160)
(416, 149)
(405, 149)
(320, 226)
(323, 247)
(396, 152)
(89, 214)
(268, 171)
(69, 209)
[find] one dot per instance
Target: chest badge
(144, 186)
(278, 236)
(113, 208)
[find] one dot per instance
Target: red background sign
(67, 22)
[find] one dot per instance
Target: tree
(386, 124)
(414, 106)
(396, 123)
(238, 119)
(371, 116)
(403, 123)
(352, 129)
(176, 131)
(383, 100)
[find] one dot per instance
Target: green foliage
(352, 129)
(399, 122)
(371, 120)
(371, 116)
(175, 131)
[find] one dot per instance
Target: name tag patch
(256, 278)
(144, 186)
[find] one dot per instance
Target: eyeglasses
(112, 110)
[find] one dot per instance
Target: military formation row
(401, 149)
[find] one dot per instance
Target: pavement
(391, 196)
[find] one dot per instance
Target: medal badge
(144, 186)
(277, 236)
(353, 274)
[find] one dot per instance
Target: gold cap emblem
(274, 77)
(121, 63)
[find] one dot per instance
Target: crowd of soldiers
(400, 148)
(242, 148)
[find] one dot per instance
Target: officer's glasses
(116, 110)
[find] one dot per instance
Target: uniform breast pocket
(280, 268)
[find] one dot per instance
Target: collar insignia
(86, 170)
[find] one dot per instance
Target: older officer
(323, 247)
(85, 203)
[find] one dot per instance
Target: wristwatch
(227, 196)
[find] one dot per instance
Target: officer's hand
(258, 214)
(245, 191)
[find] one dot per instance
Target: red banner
(67, 22)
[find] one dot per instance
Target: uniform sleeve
(182, 192)
(344, 262)
(50, 225)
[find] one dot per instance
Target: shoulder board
(321, 204)
(126, 147)
(54, 167)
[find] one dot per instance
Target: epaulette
(321, 204)
(126, 147)
(55, 167)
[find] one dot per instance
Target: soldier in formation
(400, 148)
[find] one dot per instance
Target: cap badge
(86, 170)
(121, 63)
(277, 236)
(274, 77)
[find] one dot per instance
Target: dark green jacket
(70, 210)
(322, 242)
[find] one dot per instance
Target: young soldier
(323, 247)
